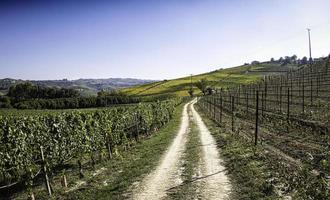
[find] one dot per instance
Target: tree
(294, 58)
(209, 90)
(272, 60)
(255, 62)
(191, 92)
(202, 85)
(24, 91)
(4, 102)
(287, 60)
(280, 60)
(304, 60)
(113, 93)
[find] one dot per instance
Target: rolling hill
(86, 87)
(216, 79)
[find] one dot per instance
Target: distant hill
(216, 79)
(85, 86)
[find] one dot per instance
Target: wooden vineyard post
(221, 106)
(265, 96)
(81, 174)
(288, 109)
(257, 119)
(317, 84)
(214, 116)
(239, 95)
(281, 98)
(209, 106)
(291, 84)
(218, 109)
(232, 113)
(93, 159)
(137, 121)
(204, 103)
(30, 184)
(136, 127)
(247, 102)
(311, 79)
(303, 92)
(109, 146)
(64, 182)
(262, 103)
(45, 172)
(276, 89)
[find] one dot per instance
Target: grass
(118, 174)
(259, 172)
(218, 78)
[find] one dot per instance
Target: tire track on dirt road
(214, 183)
(167, 173)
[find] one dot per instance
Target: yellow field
(217, 79)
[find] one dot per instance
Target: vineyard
(39, 144)
(287, 115)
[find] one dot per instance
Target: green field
(216, 79)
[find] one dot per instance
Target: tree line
(28, 90)
(30, 96)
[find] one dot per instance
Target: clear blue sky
(153, 39)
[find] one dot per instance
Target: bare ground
(214, 183)
(167, 173)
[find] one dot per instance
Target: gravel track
(214, 181)
(168, 172)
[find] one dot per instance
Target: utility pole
(310, 46)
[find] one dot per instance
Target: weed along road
(190, 168)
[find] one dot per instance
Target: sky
(153, 39)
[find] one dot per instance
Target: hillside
(216, 79)
(85, 86)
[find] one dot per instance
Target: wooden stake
(109, 147)
(232, 113)
(64, 181)
(303, 92)
(214, 117)
(257, 119)
(45, 172)
(81, 174)
(221, 106)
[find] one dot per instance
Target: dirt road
(217, 184)
(212, 178)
